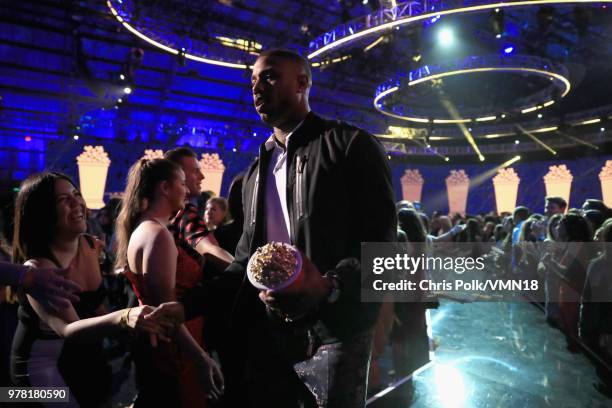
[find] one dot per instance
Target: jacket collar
(272, 142)
(307, 129)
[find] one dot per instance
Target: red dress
(168, 357)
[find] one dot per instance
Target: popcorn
(506, 176)
(93, 155)
(605, 177)
(457, 177)
(506, 184)
(606, 171)
(274, 266)
(116, 194)
(211, 162)
(412, 177)
(151, 154)
(557, 174)
(558, 182)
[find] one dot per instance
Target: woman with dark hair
(575, 232)
(171, 374)
(56, 348)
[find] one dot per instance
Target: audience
(63, 317)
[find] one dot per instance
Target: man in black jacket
(325, 187)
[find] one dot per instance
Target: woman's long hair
(143, 178)
(35, 216)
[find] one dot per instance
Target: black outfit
(81, 365)
(596, 307)
(229, 234)
(339, 194)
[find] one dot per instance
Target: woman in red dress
(168, 374)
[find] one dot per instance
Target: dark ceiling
(62, 61)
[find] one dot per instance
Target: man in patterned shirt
(187, 226)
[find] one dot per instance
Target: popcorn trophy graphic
(558, 182)
(605, 176)
(93, 168)
(151, 154)
(213, 169)
(412, 185)
(457, 186)
(506, 184)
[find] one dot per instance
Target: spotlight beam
(535, 139)
(453, 113)
(577, 140)
(479, 179)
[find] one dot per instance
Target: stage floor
(499, 355)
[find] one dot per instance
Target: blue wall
(61, 156)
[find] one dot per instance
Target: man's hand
(50, 287)
(307, 292)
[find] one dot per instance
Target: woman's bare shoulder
(151, 233)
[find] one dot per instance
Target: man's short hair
(560, 201)
(176, 155)
(291, 56)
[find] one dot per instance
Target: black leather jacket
(339, 194)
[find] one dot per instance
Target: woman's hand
(173, 312)
(161, 329)
(210, 376)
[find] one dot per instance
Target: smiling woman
(55, 348)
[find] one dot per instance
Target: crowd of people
(161, 271)
(564, 249)
(167, 277)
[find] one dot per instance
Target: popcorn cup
(93, 165)
(457, 187)
(605, 177)
(412, 185)
(275, 266)
(212, 180)
(558, 182)
(92, 178)
(506, 185)
(213, 168)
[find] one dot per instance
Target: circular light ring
(123, 17)
(518, 64)
(586, 117)
(407, 13)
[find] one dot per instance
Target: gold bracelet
(125, 318)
